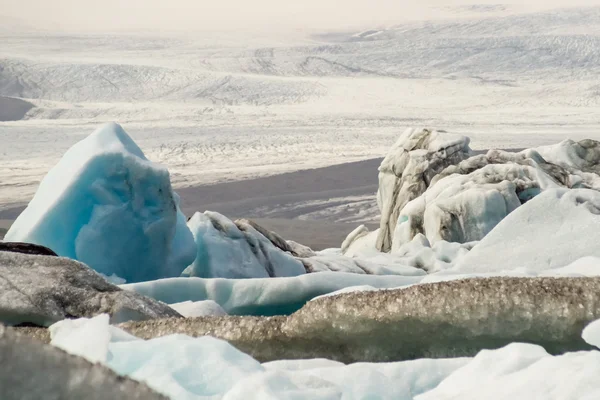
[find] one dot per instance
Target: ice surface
(551, 231)
(34, 370)
(268, 296)
(445, 319)
(523, 371)
(74, 337)
(225, 251)
(206, 368)
(106, 205)
(585, 266)
(198, 308)
(591, 333)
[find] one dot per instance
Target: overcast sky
(264, 15)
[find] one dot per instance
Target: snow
(225, 251)
(554, 229)
(107, 206)
(182, 367)
(265, 296)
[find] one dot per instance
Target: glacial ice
(188, 368)
(591, 333)
(554, 229)
(267, 296)
(198, 308)
(524, 372)
(407, 170)
(468, 198)
(226, 251)
(106, 205)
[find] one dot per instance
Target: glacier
(106, 205)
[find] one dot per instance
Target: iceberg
(236, 250)
(556, 228)
(106, 205)
(407, 170)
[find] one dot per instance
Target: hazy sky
(238, 14)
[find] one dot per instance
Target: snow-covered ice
(553, 230)
(107, 206)
(182, 367)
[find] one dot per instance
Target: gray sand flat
(12, 109)
(234, 199)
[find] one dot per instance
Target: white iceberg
(226, 251)
(107, 206)
(553, 230)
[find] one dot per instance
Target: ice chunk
(591, 333)
(553, 230)
(268, 296)
(198, 308)
(87, 338)
(405, 173)
(225, 251)
(30, 369)
(183, 367)
(106, 205)
(446, 319)
(522, 371)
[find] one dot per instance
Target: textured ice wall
(106, 205)
(265, 296)
(445, 319)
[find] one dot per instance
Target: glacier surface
(106, 205)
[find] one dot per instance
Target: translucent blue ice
(106, 205)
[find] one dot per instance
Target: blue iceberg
(106, 205)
